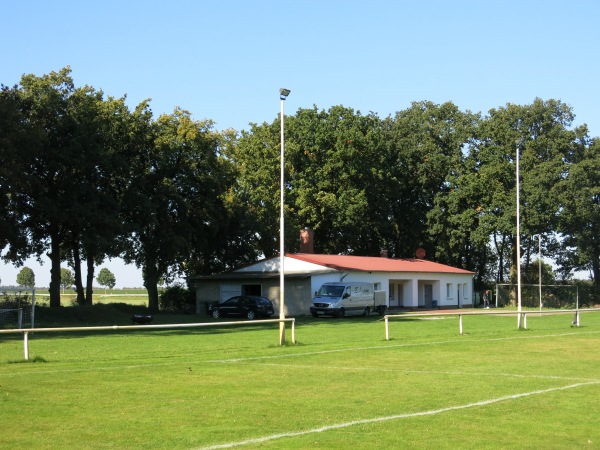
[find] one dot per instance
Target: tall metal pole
(540, 268)
(518, 242)
(283, 93)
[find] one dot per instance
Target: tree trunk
(151, 284)
(596, 279)
(89, 281)
(54, 271)
(77, 269)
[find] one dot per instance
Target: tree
(235, 241)
(26, 277)
(97, 226)
(256, 158)
(64, 166)
(66, 278)
(174, 198)
(16, 135)
(106, 278)
(47, 202)
(425, 159)
(334, 177)
(580, 212)
(331, 180)
(540, 131)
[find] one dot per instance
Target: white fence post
(460, 328)
(26, 345)
(293, 331)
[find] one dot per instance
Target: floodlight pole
(283, 93)
(540, 267)
(518, 242)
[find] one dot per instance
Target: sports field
(341, 386)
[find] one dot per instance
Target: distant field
(100, 295)
(342, 386)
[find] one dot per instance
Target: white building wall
(413, 286)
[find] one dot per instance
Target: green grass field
(341, 386)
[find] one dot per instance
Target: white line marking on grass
(430, 372)
(408, 344)
(394, 417)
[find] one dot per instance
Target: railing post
(26, 345)
(293, 331)
(387, 330)
(524, 321)
(460, 327)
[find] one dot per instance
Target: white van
(341, 299)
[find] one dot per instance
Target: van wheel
(342, 313)
(367, 312)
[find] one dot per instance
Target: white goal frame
(540, 288)
(4, 290)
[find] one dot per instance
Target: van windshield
(330, 291)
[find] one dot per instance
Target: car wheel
(216, 313)
(342, 313)
(315, 315)
(367, 312)
(251, 315)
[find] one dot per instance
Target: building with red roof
(410, 283)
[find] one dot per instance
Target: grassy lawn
(342, 386)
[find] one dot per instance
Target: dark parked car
(248, 306)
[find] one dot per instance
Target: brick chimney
(306, 240)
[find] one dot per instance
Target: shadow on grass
(37, 359)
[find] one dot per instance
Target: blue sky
(225, 60)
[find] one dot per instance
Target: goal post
(550, 296)
(17, 307)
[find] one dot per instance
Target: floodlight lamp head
(283, 93)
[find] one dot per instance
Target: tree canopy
(84, 177)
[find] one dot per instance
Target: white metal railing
(26, 331)
(449, 313)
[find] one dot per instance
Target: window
(449, 290)
(251, 289)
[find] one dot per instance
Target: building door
(393, 301)
(428, 294)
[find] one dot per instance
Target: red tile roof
(376, 264)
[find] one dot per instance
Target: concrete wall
(297, 293)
